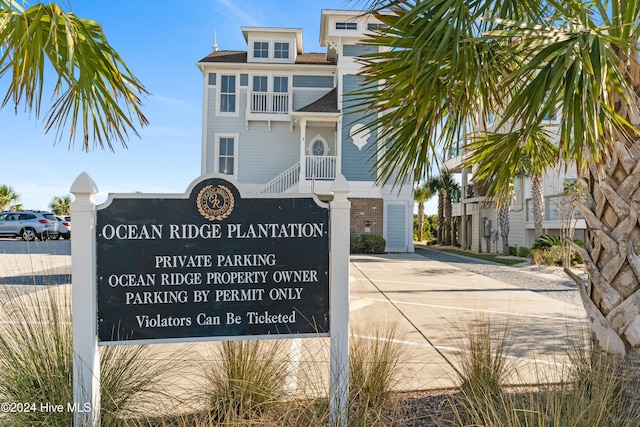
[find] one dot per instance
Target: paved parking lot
(429, 299)
(34, 263)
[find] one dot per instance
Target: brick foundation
(371, 210)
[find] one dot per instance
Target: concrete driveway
(434, 304)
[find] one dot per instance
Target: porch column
(339, 146)
(303, 154)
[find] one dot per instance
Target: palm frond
(95, 93)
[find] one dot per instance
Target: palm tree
(533, 154)
(446, 186)
(8, 197)
(447, 63)
(435, 186)
(60, 205)
(449, 187)
(94, 92)
(421, 194)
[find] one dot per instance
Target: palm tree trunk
(612, 295)
(537, 190)
(503, 222)
(448, 213)
(440, 217)
(420, 220)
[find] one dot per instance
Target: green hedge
(367, 244)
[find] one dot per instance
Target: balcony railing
(269, 102)
(320, 167)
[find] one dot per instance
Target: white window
(281, 50)
(270, 94)
(227, 94)
(260, 84)
(318, 146)
(281, 84)
(352, 26)
(259, 99)
(260, 49)
(281, 97)
(372, 26)
(226, 154)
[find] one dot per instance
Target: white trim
(205, 122)
(235, 113)
(271, 41)
(216, 152)
(270, 80)
(320, 138)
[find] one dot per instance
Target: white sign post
(86, 356)
(339, 302)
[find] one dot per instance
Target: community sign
(211, 264)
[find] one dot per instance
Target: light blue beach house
(278, 120)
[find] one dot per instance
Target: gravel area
(550, 281)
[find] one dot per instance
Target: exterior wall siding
(279, 145)
(357, 163)
(517, 228)
(265, 153)
(358, 49)
(326, 82)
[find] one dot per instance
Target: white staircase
(282, 182)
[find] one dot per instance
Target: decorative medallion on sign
(215, 203)
(360, 137)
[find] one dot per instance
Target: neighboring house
(278, 120)
(476, 218)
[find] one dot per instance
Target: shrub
(513, 251)
(589, 394)
(367, 244)
(374, 363)
(247, 381)
(548, 250)
(485, 367)
(36, 363)
(546, 241)
(524, 252)
(549, 256)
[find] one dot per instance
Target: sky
(160, 41)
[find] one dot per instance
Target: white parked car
(64, 226)
(29, 225)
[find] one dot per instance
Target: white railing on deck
(282, 182)
(321, 167)
(269, 102)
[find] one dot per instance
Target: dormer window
(267, 50)
(373, 26)
(260, 49)
(351, 26)
(281, 50)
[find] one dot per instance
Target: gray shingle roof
(327, 104)
(240, 57)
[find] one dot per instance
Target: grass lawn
(486, 257)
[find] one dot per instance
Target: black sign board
(211, 264)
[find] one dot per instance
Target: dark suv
(29, 225)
